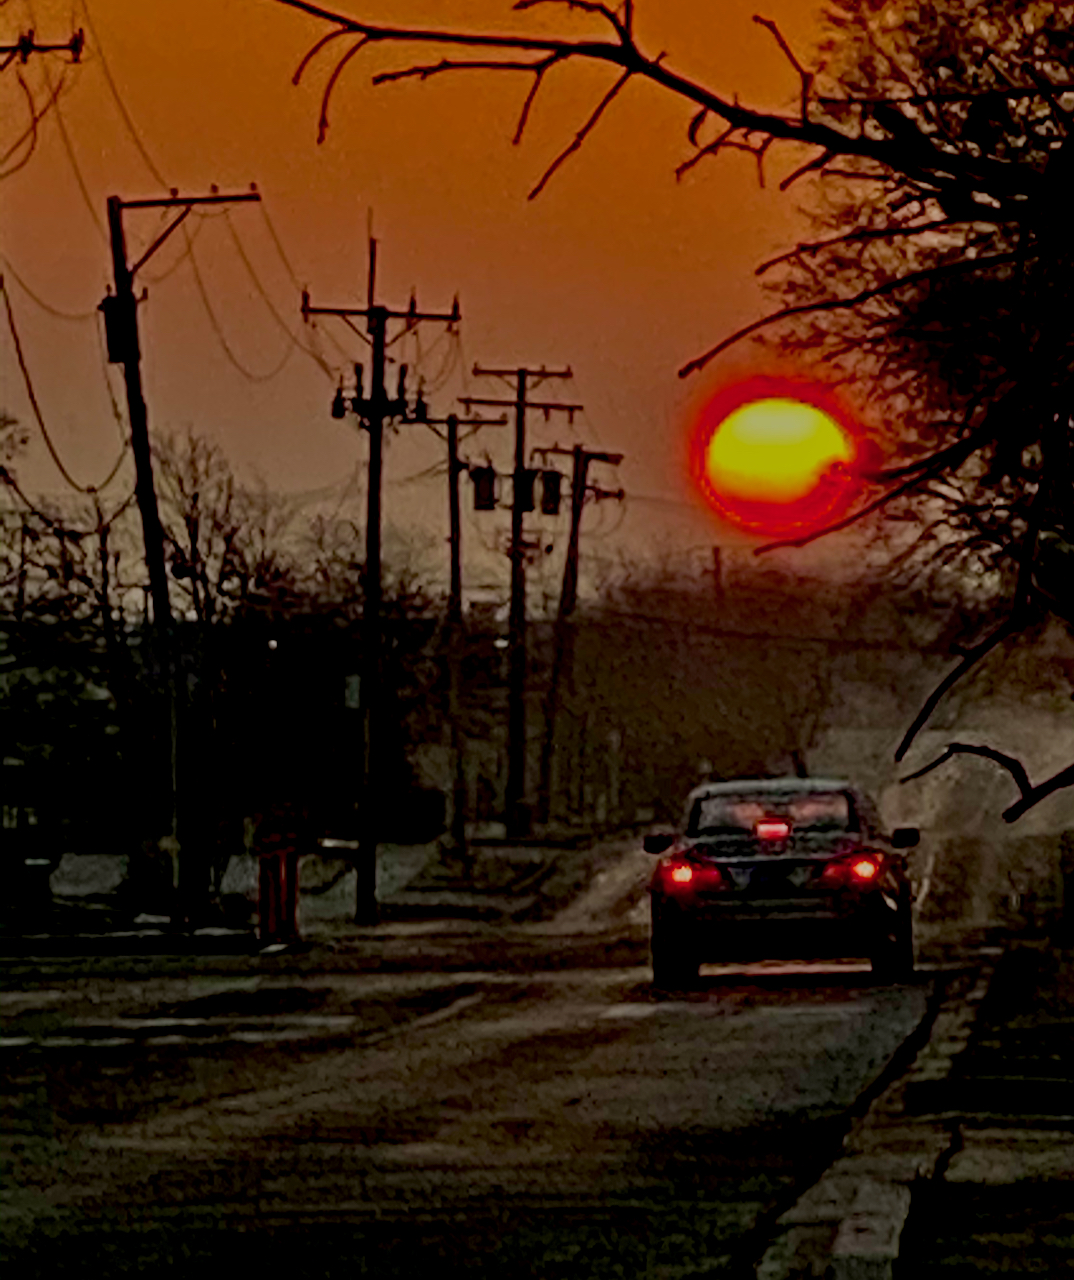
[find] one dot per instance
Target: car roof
(734, 786)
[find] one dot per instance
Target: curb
(848, 1224)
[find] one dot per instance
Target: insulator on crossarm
(401, 389)
(339, 405)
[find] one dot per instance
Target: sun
(775, 456)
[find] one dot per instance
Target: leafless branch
(585, 6)
(322, 121)
(316, 49)
(818, 162)
(581, 135)
(805, 76)
(912, 153)
(540, 70)
(1029, 795)
(852, 237)
(427, 70)
(712, 149)
(1014, 767)
(839, 525)
(1010, 627)
(1012, 93)
(843, 304)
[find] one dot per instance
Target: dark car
(780, 868)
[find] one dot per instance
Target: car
(766, 868)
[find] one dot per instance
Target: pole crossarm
(175, 200)
(26, 45)
(614, 459)
(410, 316)
(544, 406)
(186, 204)
(534, 377)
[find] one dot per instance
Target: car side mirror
(657, 842)
(905, 837)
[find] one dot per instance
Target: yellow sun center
(774, 450)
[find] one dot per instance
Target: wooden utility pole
(454, 624)
(373, 412)
(516, 817)
(568, 599)
(121, 331)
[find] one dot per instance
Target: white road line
(630, 1011)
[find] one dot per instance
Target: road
(518, 1105)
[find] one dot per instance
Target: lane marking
(630, 1011)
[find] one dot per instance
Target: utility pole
(121, 331)
(454, 627)
(568, 598)
(717, 572)
(373, 412)
(517, 818)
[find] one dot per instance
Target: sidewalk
(502, 885)
(965, 1165)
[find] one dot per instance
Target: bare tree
(936, 139)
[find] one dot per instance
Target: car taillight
(676, 875)
(772, 829)
(854, 872)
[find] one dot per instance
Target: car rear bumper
(741, 931)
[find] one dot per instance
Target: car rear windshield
(734, 815)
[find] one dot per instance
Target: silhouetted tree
(937, 140)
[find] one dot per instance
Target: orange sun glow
(776, 457)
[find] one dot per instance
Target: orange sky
(616, 269)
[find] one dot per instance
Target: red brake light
(771, 829)
(678, 876)
(856, 870)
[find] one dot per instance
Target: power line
(39, 301)
(37, 408)
(313, 355)
(118, 99)
(73, 160)
(30, 133)
(232, 357)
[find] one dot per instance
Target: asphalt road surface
(345, 1114)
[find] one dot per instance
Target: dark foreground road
(317, 1117)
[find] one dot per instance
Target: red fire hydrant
(281, 838)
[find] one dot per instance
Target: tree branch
(818, 162)
(843, 304)
(1029, 795)
(878, 233)
(805, 76)
(586, 6)
(581, 135)
(912, 153)
(322, 121)
(845, 523)
(971, 658)
(540, 70)
(316, 49)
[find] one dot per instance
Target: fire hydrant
(280, 840)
